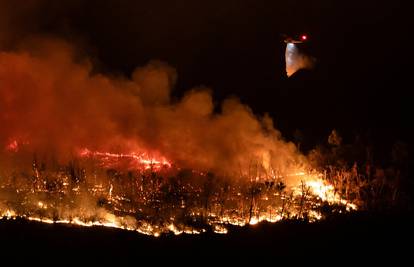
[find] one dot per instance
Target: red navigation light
(304, 37)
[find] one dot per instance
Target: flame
(327, 193)
(142, 160)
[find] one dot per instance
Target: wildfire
(238, 163)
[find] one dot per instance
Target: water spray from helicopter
(295, 58)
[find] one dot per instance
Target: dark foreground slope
(345, 237)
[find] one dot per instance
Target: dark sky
(234, 46)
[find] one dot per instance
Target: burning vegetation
(153, 196)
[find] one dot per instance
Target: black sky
(234, 47)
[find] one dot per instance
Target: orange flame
(141, 161)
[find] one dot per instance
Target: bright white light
(291, 56)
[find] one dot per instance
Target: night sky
(361, 82)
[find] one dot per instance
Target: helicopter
(295, 40)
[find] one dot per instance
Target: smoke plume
(52, 103)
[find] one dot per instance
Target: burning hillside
(83, 148)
